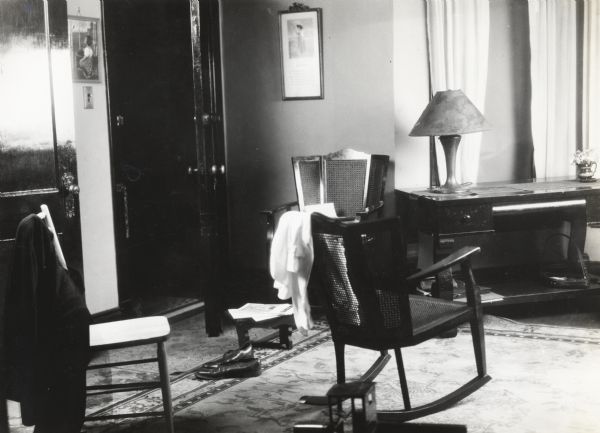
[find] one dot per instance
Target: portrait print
(83, 42)
(301, 54)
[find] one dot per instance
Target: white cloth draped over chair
(552, 28)
(458, 33)
(291, 260)
(591, 74)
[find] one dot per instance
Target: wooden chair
(129, 333)
(124, 334)
(367, 297)
(353, 181)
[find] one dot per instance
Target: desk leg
(578, 232)
(443, 287)
(432, 249)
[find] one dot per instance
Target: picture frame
(301, 44)
(84, 47)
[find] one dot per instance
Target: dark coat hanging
(46, 334)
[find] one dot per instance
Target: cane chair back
(308, 178)
(353, 181)
(361, 273)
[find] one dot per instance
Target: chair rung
(123, 415)
(118, 364)
(120, 387)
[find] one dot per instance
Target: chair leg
(165, 386)
(285, 332)
(479, 345)
(340, 362)
(476, 322)
(403, 382)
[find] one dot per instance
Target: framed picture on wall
(301, 54)
(84, 47)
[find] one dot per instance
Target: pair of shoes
(234, 363)
(244, 368)
(244, 353)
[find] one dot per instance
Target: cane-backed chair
(366, 292)
(353, 181)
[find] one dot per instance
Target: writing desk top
(506, 191)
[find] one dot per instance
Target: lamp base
(451, 190)
(450, 146)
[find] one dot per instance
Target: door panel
(163, 241)
(36, 120)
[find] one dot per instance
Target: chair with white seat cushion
(129, 333)
(124, 334)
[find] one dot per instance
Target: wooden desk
(504, 219)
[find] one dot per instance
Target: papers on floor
(487, 296)
(260, 312)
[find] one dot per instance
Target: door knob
(220, 169)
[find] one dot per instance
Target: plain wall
(263, 132)
(411, 92)
(94, 173)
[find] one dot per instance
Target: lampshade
(449, 112)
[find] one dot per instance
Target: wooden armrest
(346, 218)
(453, 259)
(281, 208)
(370, 210)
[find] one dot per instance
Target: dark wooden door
(164, 170)
(37, 152)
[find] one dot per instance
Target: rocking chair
(366, 290)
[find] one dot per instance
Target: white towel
(291, 262)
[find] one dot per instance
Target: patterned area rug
(544, 379)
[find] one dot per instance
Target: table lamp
(448, 115)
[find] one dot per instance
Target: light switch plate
(88, 97)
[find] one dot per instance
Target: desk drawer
(464, 219)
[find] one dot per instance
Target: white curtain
(458, 32)
(552, 29)
(591, 75)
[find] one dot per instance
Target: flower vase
(585, 171)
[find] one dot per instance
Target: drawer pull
(466, 218)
